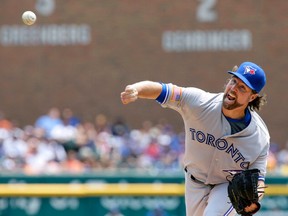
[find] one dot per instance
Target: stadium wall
(81, 55)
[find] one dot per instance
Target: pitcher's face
(237, 95)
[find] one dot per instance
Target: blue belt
(192, 177)
(196, 180)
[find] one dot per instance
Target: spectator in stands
(69, 118)
(272, 163)
(34, 163)
(4, 122)
(14, 146)
(101, 123)
(282, 158)
(49, 121)
(72, 164)
(63, 133)
(119, 127)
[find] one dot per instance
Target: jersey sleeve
(261, 163)
(264, 138)
(176, 97)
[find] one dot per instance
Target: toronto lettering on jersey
(220, 144)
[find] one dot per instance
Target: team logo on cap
(249, 70)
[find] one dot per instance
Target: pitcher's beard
(230, 106)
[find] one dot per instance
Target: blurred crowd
(278, 160)
(60, 142)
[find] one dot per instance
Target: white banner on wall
(209, 40)
(45, 35)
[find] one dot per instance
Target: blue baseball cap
(252, 75)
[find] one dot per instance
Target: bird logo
(249, 70)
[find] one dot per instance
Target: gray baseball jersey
(210, 149)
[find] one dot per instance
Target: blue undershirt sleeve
(161, 98)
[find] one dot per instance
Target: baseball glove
(243, 191)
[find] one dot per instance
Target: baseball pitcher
(226, 143)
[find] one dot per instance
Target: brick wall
(126, 46)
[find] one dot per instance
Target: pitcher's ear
(253, 97)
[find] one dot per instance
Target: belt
(192, 177)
